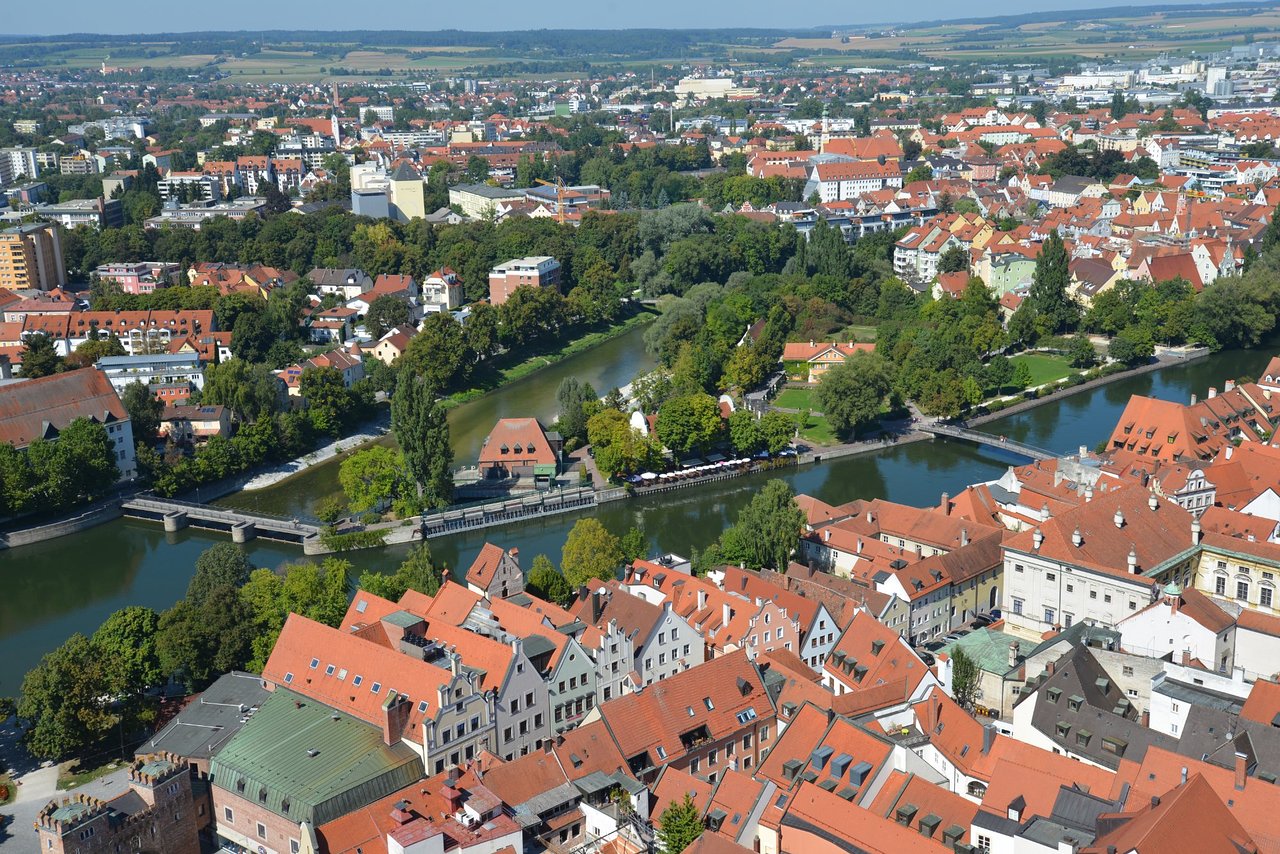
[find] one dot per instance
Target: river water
(71, 584)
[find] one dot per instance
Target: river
(71, 584)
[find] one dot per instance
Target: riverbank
(1165, 360)
(530, 366)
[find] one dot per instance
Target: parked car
(955, 636)
(980, 622)
(926, 657)
(935, 646)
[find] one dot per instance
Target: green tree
(1054, 309)
(385, 313)
(330, 404)
(590, 552)
(127, 642)
(372, 478)
(249, 391)
(67, 698)
(546, 582)
(768, 529)
(688, 422)
(88, 353)
(923, 172)
(634, 545)
(1132, 346)
(1021, 376)
(145, 410)
(744, 432)
(680, 825)
(422, 430)
(776, 428)
(416, 572)
(964, 678)
(39, 357)
(319, 592)
(79, 466)
(747, 368)
(220, 565)
(578, 403)
(850, 394)
(1081, 352)
(199, 642)
(953, 260)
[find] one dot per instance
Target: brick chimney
(395, 714)
(945, 506)
(1242, 770)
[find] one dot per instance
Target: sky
(133, 16)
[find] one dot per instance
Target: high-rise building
(31, 257)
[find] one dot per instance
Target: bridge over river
(955, 431)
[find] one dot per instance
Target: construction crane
(558, 183)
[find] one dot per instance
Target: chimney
(1153, 502)
(1229, 385)
(6, 369)
(826, 535)
(964, 537)
(1213, 392)
(1088, 493)
(1184, 775)
(1119, 519)
(859, 545)
(1050, 668)
(726, 614)
(1242, 770)
(1195, 531)
(1230, 449)
(1037, 539)
(1014, 649)
(1083, 452)
(1193, 400)
(945, 506)
(1144, 719)
(1133, 560)
(596, 606)
(395, 714)
(988, 738)
(702, 594)
(1186, 658)
(455, 663)
(1076, 538)
(1044, 512)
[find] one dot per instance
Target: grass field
(818, 431)
(795, 398)
(1045, 368)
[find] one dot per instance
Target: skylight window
(328, 671)
(288, 677)
(375, 687)
(356, 680)
(706, 701)
(315, 662)
(422, 706)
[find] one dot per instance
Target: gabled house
(496, 573)
(663, 643)
(811, 361)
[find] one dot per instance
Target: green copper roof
(307, 762)
(989, 649)
(403, 619)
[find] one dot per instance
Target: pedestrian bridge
(241, 525)
(964, 433)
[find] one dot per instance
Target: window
(1107, 598)
(984, 843)
(515, 705)
(1066, 620)
(1220, 586)
(1127, 670)
(1017, 606)
(1242, 590)
(328, 671)
(357, 681)
(288, 677)
(712, 757)
(262, 830)
(228, 815)
(294, 846)
(1050, 615)
(1264, 597)
(1050, 576)
(746, 741)
(1093, 594)
(1017, 567)
(528, 699)
(315, 662)
(375, 687)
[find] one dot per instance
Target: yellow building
(31, 257)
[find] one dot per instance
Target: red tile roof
(37, 408)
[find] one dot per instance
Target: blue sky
(131, 16)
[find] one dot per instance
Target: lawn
(795, 398)
(1045, 368)
(69, 779)
(818, 431)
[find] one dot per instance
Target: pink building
(138, 277)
